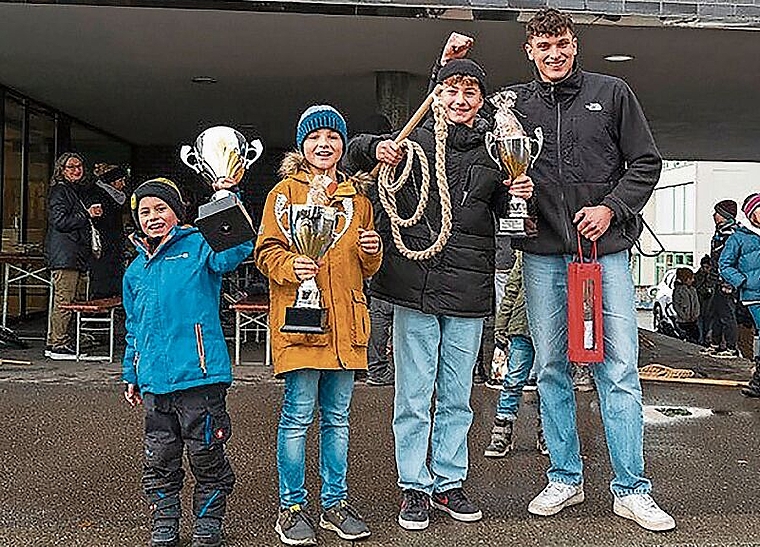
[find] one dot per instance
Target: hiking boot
(455, 503)
(207, 532)
(345, 521)
(582, 380)
(501, 439)
(555, 497)
(415, 510)
(166, 514)
(642, 509)
(294, 527)
(381, 378)
(541, 442)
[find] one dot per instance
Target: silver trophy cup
(515, 154)
(221, 153)
(312, 230)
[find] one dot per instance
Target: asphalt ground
(71, 453)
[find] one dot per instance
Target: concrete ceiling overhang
(128, 70)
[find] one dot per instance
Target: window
(675, 209)
(667, 261)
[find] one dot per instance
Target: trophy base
(305, 320)
(517, 227)
(224, 223)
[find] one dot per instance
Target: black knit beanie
(464, 67)
(163, 189)
(727, 208)
(113, 174)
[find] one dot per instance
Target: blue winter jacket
(174, 335)
(739, 263)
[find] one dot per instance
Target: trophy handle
(347, 214)
(280, 209)
(490, 145)
(539, 140)
(255, 148)
(190, 158)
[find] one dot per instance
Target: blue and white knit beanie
(320, 116)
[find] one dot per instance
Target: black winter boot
(166, 514)
(753, 387)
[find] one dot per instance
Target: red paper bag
(585, 336)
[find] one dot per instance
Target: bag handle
(593, 257)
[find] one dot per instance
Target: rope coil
(388, 188)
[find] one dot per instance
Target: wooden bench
(95, 316)
(251, 315)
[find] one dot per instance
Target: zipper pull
(464, 197)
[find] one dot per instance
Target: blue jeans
(754, 311)
(433, 354)
(520, 363)
(617, 379)
(304, 389)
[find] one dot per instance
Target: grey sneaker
(294, 527)
(381, 378)
(555, 497)
(726, 354)
(501, 439)
(207, 532)
(345, 521)
(643, 510)
(164, 532)
(62, 353)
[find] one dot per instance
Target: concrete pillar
(392, 94)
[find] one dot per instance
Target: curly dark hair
(549, 22)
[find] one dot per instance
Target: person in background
(686, 304)
(704, 286)
(106, 272)
(723, 306)
(512, 334)
(318, 368)
(68, 247)
(739, 265)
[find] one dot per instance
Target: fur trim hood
(295, 163)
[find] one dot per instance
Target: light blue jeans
(617, 379)
(520, 363)
(304, 389)
(433, 354)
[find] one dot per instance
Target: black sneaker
(294, 527)
(379, 379)
(455, 503)
(541, 442)
(165, 532)
(63, 353)
(415, 510)
(495, 383)
(530, 385)
(345, 521)
(501, 439)
(207, 532)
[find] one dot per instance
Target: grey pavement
(71, 453)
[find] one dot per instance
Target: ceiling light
(618, 58)
(203, 80)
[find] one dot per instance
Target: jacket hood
(294, 165)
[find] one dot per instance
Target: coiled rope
(388, 188)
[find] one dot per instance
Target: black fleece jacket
(598, 150)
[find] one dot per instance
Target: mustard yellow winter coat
(344, 345)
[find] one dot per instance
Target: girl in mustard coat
(318, 368)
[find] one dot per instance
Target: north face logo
(594, 107)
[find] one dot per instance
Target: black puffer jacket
(68, 240)
(459, 280)
(598, 150)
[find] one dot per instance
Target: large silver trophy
(512, 149)
(222, 153)
(311, 229)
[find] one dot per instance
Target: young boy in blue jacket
(176, 362)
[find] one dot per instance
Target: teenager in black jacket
(440, 301)
(598, 168)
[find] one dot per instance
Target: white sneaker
(642, 509)
(555, 497)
